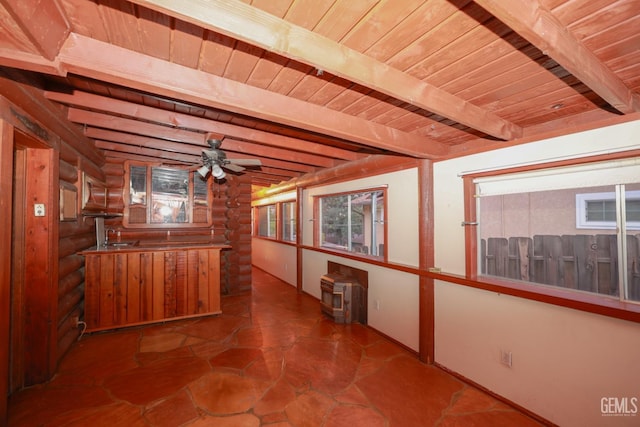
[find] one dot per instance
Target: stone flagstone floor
(271, 359)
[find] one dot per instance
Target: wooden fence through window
(584, 262)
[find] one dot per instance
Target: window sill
(349, 254)
(583, 301)
(273, 239)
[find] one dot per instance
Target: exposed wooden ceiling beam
(263, 182)
(159, 132)
(18, 89)
(533, 21)
(172, 118)
(107, 121)
(130, 156)
(141, 141)
(176, 147)
(231, 145)
(30, 61)
(185, 160)
(113, 64)
(256, 27)
(277, 172)
(149, 152)
(266, 179)
(275, 163)
(41, 22)
(196, 139)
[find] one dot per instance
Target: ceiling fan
(215, 160)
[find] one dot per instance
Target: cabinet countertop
(141, 246)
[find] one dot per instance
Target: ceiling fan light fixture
(217, 171)
(203, 171)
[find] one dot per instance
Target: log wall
(24, 108)
(231, 217)
(43, 127)
(74, 236)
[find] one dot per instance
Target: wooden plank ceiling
(309, 84)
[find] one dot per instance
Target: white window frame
(374, 249)
(581, 211)
(615, 173)
(289, 219)
(269, 218)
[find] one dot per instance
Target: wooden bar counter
(135, 283)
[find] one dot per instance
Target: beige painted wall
(564, 361)
(396, 314)
(275, 258)
(402, 211)
(393, 295)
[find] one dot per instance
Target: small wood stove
(342, 298)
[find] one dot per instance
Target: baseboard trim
(493, 394)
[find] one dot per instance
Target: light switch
(38, 209)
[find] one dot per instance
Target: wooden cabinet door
(129, 288)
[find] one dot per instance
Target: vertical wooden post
(300, 210)
(426, 260)
(6, 192)
(470, 232)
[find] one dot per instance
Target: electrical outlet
(38, 209)
(506, 358)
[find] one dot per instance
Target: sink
(165, 243)
(122, 244)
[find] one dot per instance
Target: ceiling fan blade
(245, 162)
(233, 167)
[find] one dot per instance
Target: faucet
(106, 235)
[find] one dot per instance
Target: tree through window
(353, 222)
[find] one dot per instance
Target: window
(158, 196)
(353, 222)
(598, 210)
(267, 221)
(276, 220)
(569, 228)
(289, 221)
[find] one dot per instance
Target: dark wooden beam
(186, 121)
(231, 145)
(176, 147)
(130, 156)
(191, 140)
(121, 124)
(25, 94)
(149, 152)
